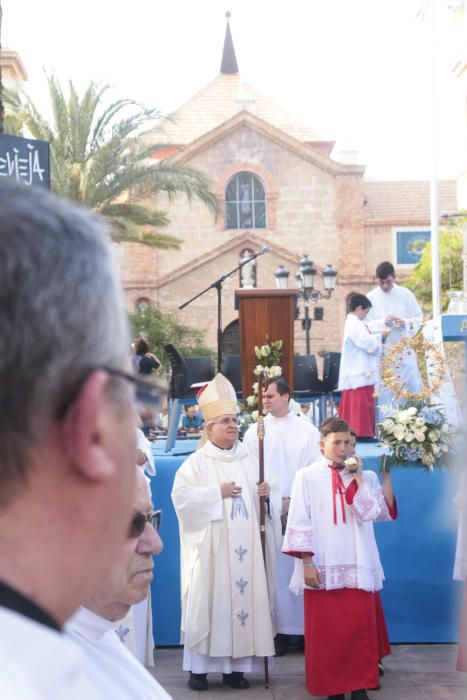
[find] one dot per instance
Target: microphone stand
(217, 284)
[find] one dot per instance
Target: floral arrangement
(270, 356)
(416, 433)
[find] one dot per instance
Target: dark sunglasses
(139, 520)
(147, 391)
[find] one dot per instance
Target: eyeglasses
(139, 520)
(147, 391)
(224, 421)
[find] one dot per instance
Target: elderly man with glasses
(226, 614)
(111, 668)
(67, 433)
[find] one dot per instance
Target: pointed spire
(229, 64)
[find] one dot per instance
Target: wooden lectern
(261, 312)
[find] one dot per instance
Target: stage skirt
(357, 408)
(342, 646)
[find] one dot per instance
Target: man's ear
(85, 433)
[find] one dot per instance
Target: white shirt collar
(90, 625)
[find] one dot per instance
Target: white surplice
(290, 443)
(110, 667)
(39, 663)
(345, 553)
(226, 615)
(401, 303)
(360, 356)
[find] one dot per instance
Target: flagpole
(434, 190)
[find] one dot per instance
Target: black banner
(25, 160)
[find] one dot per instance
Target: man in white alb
(226, 613)
(110, 667)
(396, 308)
(290, 443)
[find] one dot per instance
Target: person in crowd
(137, 624)
(460, 571)
(358, 371)
(290, 443)
(337, 565)
(67, 430)
(110, 667)
(226, 615)
(395, 308)
(144, 361)
(192, 421)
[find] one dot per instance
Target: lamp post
(305, 277)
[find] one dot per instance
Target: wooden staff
(262, 504)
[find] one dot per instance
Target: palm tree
(98, 157)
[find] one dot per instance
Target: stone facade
(315, 205)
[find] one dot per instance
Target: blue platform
(421, 601)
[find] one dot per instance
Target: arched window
(141, 305)
(245, 202)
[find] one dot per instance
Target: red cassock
(357, 408)
(347, 660)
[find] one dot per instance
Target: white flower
(403, 417)
(419, 435)
(412, 411)
(250, 400)
(275, 371)
(258, 369)
(445, 428)
(436, 450)
(410, 437)
(255, 387)
(265, 350)
(433, 435)
(258, 352)
(428, 459)
(254, 415)
(419, 421)
(399, 432)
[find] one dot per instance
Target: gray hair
(61, 314)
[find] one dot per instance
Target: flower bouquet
(270, 356)
(417, 434)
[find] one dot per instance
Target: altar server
(290, 443)
(337, 567)
(226, 615)
(395, 308)
(358, 371)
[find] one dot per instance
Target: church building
(277, 185)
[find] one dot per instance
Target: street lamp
(305, 278)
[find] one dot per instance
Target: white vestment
(345, 552)
(460, 563)
(401, 303)
(290, 443)
(110, 668)
(39, 663)
(226, 615)
(360, 355)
